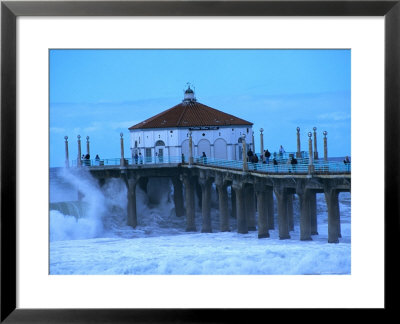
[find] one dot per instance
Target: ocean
(89, 236)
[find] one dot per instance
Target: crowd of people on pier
(255, 160)
(138, 158)
(85, 160)
(276, 160)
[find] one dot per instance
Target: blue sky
(100, 93)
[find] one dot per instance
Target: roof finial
(189, 94)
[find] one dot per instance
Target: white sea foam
(91, 223)
(101, 243)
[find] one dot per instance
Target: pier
(252, 189)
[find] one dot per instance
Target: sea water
(88, 235)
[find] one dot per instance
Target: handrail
(283, 164)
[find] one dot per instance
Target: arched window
(204, 146)
(220, 149)
(160, 143)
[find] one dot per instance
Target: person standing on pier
(267, 155)
(87, 160)
(346, 161)
(254, 161)
(294, 163)
(281, 151)
(136, 158)
(249, 155)
(204, 158)
(275, 164)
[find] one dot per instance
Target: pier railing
(282, 165)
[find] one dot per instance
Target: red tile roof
(190, 114)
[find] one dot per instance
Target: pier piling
(190, 203)
(262, 210)
(247, 189)
(283, 224)
(240, 208)
(132, 215)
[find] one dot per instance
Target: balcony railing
(282, 165)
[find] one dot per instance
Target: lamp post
(66, 152)
(79, 161)
(122, 162)
(252, 142)
(298, 153)
(315, 144)
(262, 143)
(87, 145)
(325, 146)
(310, 153)
(244, 155)
(190, 148)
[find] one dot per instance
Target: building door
(159, 151)
(160, 155)
(148, 155)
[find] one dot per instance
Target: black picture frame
(10, 10)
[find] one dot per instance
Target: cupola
(189, 95)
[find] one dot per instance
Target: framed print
(74, 151)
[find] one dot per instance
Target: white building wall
(174, 137)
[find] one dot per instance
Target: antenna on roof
(187, 87)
